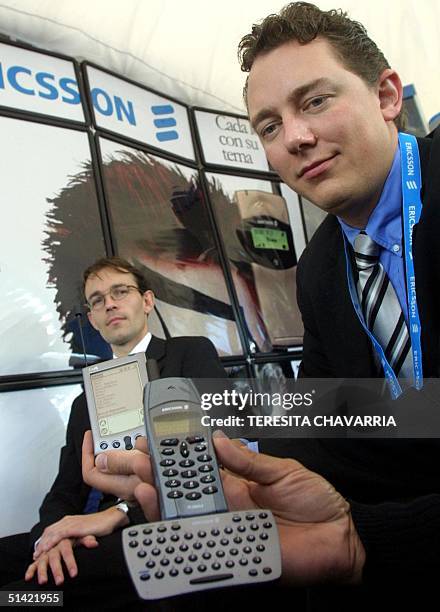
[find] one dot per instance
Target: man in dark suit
(119, 303)
(327, 108)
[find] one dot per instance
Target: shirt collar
(384, 225)
(141, 346)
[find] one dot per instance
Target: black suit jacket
(393, 485)
(186, 356)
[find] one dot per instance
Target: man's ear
(390, 92)
(148, 297)
(90, 318)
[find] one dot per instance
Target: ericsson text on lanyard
(411, 210)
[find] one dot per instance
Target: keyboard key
(169, 442)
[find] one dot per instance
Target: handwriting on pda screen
(117, 390)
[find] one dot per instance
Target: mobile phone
(198, 544)
(114, 393)
(182, 453)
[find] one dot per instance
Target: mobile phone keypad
(189, 469)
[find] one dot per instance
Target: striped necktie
(381, 308)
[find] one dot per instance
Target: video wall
(92, 165)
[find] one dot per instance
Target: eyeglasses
(117, 293)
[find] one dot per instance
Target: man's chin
(333, 204)
(116, 340)
(327, 206)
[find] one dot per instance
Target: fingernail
(218, 433)
(101, 461)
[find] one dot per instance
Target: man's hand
(319, 542)
(133, 467)
(55, 546)
(59, 554)
(84, 526)
(318, 539)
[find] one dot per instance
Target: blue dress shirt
(385, 227)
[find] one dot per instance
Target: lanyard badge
(411, 210)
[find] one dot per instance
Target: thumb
(89, 541)
(120, 462)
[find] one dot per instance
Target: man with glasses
(119, 303)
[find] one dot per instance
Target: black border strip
(141, 146)
(40, 380)
(106, 224)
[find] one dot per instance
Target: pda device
(198, 544)
(114, 392)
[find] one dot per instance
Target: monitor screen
(267, 238)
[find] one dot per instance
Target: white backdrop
(188, 49)
(33, 427)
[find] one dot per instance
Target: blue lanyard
(411, 210)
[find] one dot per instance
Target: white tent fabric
(188, 49)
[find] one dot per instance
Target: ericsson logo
(411, 184)
(163, 123)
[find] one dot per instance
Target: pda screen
(118, 394)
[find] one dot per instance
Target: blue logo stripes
(164, 122)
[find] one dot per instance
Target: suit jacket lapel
(341, 314)
(157, 350)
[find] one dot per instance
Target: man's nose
(109, 302)
(298, 134)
